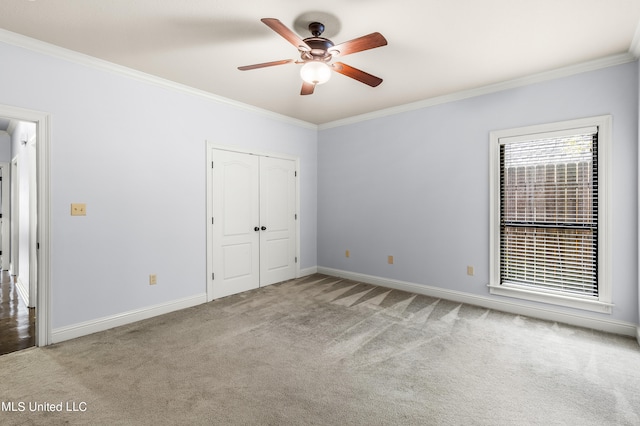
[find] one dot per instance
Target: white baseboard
(82, 329)
(308, 271)
(23, 291)
(549, 314)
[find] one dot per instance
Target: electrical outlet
(347, 254)
(470, 270)
(390, 260)
(153, 279)
(78, 209)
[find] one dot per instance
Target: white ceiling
(435, 47)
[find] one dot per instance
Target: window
(549, 213)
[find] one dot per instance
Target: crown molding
(45, 48)
(634, 49)
(79, 58)
(485, 90)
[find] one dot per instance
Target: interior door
(277, 220)
(236, 217)
(253, 222)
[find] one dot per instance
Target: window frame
(601, 304)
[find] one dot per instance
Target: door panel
(278, 254)
(239, 196)
(237, 261)
(236, 246)
(277, 215)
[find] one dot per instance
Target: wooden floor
(17, 322)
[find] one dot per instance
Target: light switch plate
(78, 209)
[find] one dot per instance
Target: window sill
(554, 299)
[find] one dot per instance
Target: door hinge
(212, 164)
(213, 276)
(295, 216)
(296, 259)
(212, 221)
(295, 173)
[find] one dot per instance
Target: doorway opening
(24, 231)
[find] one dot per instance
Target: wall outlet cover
(78, 209)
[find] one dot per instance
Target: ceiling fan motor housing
(319, 45)
(319, 49)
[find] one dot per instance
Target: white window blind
(549, 212)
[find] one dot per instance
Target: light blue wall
(412, 185)
(134, 152)
(416, 185)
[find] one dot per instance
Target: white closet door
(254, 222)
(277, 220)
(236, 242)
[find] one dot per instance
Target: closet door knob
(256, 229)
(264, 228)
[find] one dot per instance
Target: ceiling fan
(316, 54)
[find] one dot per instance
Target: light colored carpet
(326, 351)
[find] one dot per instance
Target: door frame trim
(6, 215)
(32, 149)
(14, 202)
(209, 147)
(43, 145)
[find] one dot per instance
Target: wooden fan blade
(357, 74)
(359, 44)
(285, 32)
(307, 88)
(265, 64)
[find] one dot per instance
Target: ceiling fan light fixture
(317, 54)
(315, 72)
